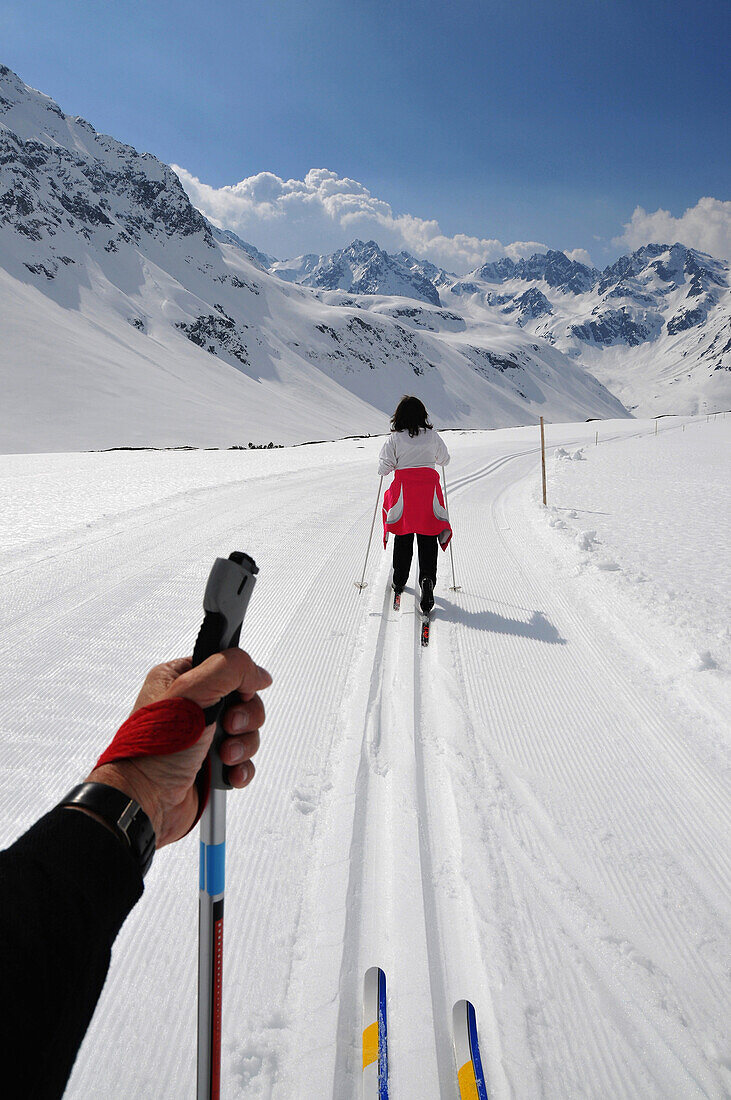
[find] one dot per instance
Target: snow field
(614, 824)
(655, 513)
(525, 814)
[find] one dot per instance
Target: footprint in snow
(304, 801)
(702, 660)
(586, 540)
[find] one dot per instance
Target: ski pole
(361, 584)
(455, 587)
(226, 598)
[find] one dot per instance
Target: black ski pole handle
(226, 599)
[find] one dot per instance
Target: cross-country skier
(413, 503)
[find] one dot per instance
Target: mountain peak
(227, 236)
(62, 174)
(553, 266)
(363, 268)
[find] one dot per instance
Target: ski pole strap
(161, 729)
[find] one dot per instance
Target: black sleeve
(66, 886)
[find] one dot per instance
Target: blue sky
(501, 120)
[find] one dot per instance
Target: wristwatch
(122, 814)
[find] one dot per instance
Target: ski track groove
(359, 880)
(435, 943)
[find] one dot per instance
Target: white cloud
(580, 256)
(705, 226)
(325, 211)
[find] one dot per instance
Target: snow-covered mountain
(366, 269)
(227, 236)
(654, 327)
(552, 267)
(128, 320)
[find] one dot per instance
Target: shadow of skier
(537, 627)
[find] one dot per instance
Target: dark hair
(410, 416)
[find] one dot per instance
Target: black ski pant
(403, 549)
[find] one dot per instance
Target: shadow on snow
(537, 627)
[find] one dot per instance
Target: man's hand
(163, 785)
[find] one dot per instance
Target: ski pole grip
(226, 599)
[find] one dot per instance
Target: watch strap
(122, 814)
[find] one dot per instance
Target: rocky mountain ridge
(654, 326)
(365, 268)
(662, 302)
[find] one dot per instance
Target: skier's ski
(470, 1075)
(375, 1037)
(397, 601)
(425, 624)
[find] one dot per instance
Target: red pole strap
(161, 729)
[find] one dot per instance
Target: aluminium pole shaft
(226, 599)
(455, 586)
(361, 584)
(210, 945)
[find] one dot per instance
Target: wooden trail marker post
(543, 462)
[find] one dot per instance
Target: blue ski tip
(375, 1036)
(470, 1074)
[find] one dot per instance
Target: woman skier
(413, 503)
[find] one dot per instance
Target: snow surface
(671, 549)
(532, 813)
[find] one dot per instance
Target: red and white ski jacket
(413, 504)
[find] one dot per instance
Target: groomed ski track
(514, 815)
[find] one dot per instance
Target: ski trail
(367, 882)
(516, 814)
(431, 849)
(380, 899)
(575, 720)
(388, 915)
